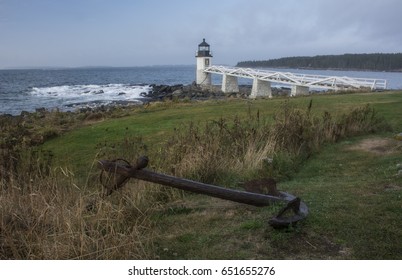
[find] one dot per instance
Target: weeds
(46, 215)
(216, 151)
(49, 218)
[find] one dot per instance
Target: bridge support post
(261, 89)
(229, 83)
(299, 90)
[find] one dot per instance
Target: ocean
(70, 88)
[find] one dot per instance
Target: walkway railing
(297, 79)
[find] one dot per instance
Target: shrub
(226, 149)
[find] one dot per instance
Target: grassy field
(154, 123)
(350, 186)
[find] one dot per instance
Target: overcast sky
(74, 33)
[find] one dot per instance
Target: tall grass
(46, 215)
(231, 149)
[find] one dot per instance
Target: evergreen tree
(375, 62)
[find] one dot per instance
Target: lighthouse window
(207, 62)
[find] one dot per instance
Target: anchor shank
(201, 188)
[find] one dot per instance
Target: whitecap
(65, 95)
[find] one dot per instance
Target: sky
(79, 33)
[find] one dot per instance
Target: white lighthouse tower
(204, 59)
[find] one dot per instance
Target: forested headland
(374, 62)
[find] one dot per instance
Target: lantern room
(203, 50)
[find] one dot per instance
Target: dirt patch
(392, 188)
(378, 146)
(303, 245)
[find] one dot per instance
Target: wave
(88, 95)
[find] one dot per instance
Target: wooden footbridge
(300, 83)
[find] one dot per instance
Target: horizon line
(86, 67)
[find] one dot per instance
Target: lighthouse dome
(203, 49)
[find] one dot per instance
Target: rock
(177, 92)
(176, 87)
(164, 89)
(268, 160)
(121, 93)
(192, 91)
(25, 114)
(41, 110)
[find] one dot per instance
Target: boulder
(177, 92)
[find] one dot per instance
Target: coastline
(329, 69)
(75, 89)
(158, 93)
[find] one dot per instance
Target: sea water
(71, 88)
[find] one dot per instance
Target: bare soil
(378, 146)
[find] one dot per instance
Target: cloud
(267, 29)
(367, 24)
(3, 13)
(90, 32)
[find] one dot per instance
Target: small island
(390, 62)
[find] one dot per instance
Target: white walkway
(300, 80)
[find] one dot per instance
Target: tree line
(375, 62)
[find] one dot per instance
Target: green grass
(350, 198)
(79, 147)
(354, 198)
(155, 123)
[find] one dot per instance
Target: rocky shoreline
(195, 92)
(159, 93)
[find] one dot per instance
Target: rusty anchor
(123, 171)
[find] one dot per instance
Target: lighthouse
(204, 59)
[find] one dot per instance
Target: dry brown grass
(50, 217)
